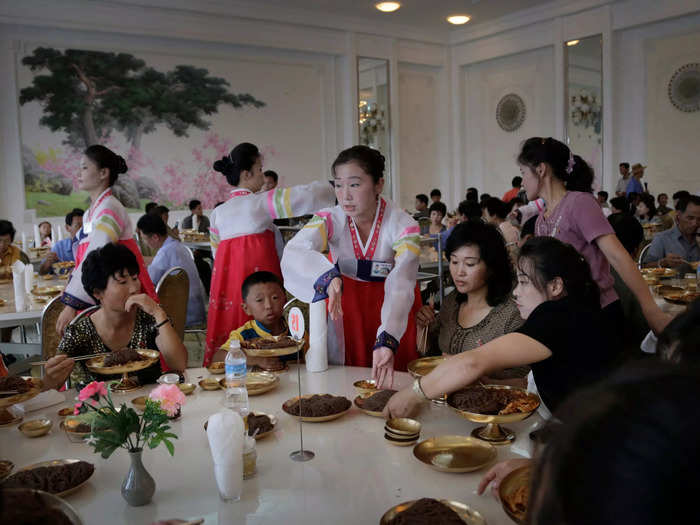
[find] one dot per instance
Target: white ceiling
(425, 14)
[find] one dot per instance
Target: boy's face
(265, 302)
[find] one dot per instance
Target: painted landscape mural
(169, 119)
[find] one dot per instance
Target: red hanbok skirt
(362, 313)
(235, 260)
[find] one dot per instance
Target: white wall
(647, 127)
(488, 151)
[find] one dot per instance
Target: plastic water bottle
(236, 391)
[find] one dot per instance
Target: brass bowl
(187, 388)
(218, 367)
(455, 453)
(469, 516)
(365, 386)
(36, 427)
(359, 400)
(423, 366)
(139, 403)
(74, 434)
(64, 412)
(2, 302)
(493, 432)
(511, 483)
(403, 426)
(209, 383)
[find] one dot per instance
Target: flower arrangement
(170, 398)
(122, 427)
(586, 110)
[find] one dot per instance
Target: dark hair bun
(120, 165)
(224, 166)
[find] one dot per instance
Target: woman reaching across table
(563, 338)
(371, 278)
(242, 238)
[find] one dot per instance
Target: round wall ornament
(510, 112)
(684, 88)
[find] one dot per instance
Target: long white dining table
(354, 478)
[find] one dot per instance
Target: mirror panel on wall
(584, 100)
(374, 123)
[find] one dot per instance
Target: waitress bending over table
(370, 279)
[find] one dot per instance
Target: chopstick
(78, 358)
(9, 392)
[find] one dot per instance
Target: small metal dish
(365, 386)
(403, 426)
(36, 427)
(209, 383)
(405, 442)
(187, 388)
(217, 367)
(65, 412)
(139, 403)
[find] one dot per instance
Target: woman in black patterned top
(125, 319)
(481, 308)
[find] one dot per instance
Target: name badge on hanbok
(380, 269)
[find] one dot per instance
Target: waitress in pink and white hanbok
(370, 279)
(242, 237)
(105, 221)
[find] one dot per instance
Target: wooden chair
(83, 313)
(173, 291)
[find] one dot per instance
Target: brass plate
(423, 366)
(662, 273)
(40, 299)
(12, 422)
(36, 427)
(47, 277)
(52, 501)
(513, 481)
(455, 453)
(187, 388)
(309, 419)
(683, 298)
(493, 418)
(218, 367)
(19, 398)
(57, 462)
(365, 386)
(209, 383)
(403, 426)
(95, 364)
(359, 401)
(257, 382)
(47, 290)
(469, 516)
(271, 352)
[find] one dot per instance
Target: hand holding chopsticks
(77, 358)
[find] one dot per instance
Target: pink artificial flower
(170, 397)
(93, 390)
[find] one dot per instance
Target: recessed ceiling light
(388, 7)
(572, 42)
(458, 20)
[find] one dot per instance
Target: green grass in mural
(54, 205)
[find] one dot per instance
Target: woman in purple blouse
(563, 180)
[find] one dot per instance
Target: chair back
(83, 313)
(642, 253)
(49, 336)
(173, 291)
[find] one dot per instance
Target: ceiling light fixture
(458, 20)
(388, 7)
(572, 43)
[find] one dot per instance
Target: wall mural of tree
(90, 96)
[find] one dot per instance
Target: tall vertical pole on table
(296, 327)
(439, 251)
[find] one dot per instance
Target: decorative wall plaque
(510, 112)
(684, 88)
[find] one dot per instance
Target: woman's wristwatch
(419, 391)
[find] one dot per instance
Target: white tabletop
(32, 314)
(355, 477)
